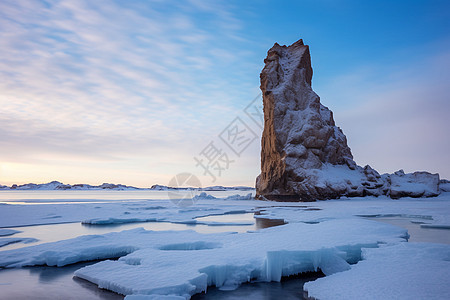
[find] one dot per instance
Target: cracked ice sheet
(181, 263)
(123, 212)
(12, 240)
(8, 232)
(435, 212)
(402, 271)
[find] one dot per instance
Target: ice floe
(401, 271)
(12, 240)
(328, 235)
(183, 263)
(7, 232)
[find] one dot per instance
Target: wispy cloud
(140, 87)
(111, 79)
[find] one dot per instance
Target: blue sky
(132, 91)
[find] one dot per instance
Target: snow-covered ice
(186, 262)
(7, 232)
(402, 271)
(433, 211)
(328, 235)
(11, 240)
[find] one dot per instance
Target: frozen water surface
(416, 231)
(240, 223)
(331, 236)
(50, 283)
(288, 288)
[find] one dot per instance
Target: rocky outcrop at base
(417, 184)
(444, 185)
(304, 155)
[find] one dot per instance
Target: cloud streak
(109, 79)
(143, 86)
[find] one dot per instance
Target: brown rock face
(299, 132)
(304, 155)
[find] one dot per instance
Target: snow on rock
(182, 263)
(304, 155)
(402, 271)
(299, 135)
(444, 185)
(417, 184)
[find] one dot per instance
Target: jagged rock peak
(299, 132)
(285, 59)
(304, 155)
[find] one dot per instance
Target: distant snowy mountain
(225, 188)
(158, 187)
(56, 185)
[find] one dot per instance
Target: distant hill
(159, 187)
(56, 185)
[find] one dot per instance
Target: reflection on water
(49, 283)
(289, 288)
(230, 217)
(58, 283)
(57, 232)
(417, 233)
(262, 223)
(244, 218)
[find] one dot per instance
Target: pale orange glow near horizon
(130, 93)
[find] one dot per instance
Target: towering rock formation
(304, 155)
